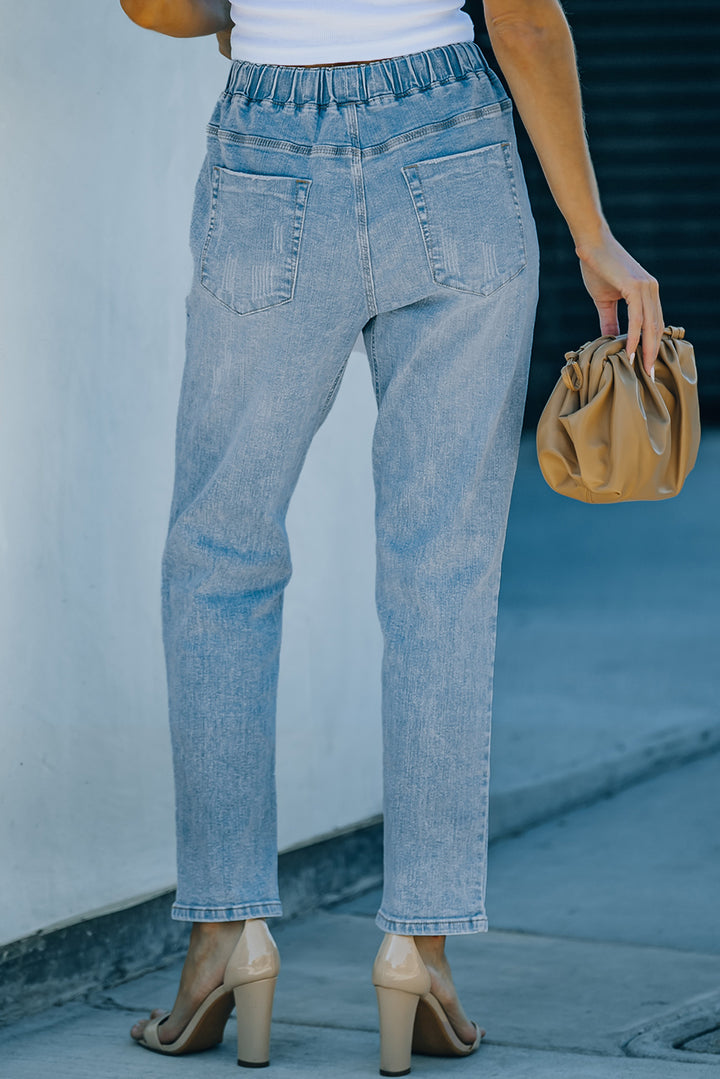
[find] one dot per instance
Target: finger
(635, 321)
(653, 326)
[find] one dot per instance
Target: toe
(136, 1031)
(478, 1034)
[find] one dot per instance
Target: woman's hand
(223, 37)
(611, 273)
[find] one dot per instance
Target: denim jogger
(386, 198)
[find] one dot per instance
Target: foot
(432, 953)
(211, 945)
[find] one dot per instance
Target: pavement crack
(565, 1050)
(107, 1004)
(497, 1042)
(324, 1026)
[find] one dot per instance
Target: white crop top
(333, 31)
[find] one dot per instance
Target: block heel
(412, 1020)
(397, 1018)
(254, 1003)
(250, 977)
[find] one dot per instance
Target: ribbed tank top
(333, 31)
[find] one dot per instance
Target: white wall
(102, 129)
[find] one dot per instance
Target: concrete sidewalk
(604, 948)
(604, 951)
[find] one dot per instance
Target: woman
(361, 174)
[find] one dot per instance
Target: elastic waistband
(359, 83)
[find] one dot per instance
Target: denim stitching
(495, 108)
(258, 908)
(335, 386)
(372, 357)
(507, 149)
(228, 905)
(263, 142)
(303, 193)
(358, 182)
(420, 926)
(282, 145)
(418, 201)
(215, 181)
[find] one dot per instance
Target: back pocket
(470, 219)
(250, 257)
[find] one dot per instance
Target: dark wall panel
(650, 77)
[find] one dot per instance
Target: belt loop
(322, 75)
(363, 83)
(292, 94)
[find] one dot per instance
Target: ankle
(431, 947)
(211, 934)
(216, 928)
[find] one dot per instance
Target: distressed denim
(386, 198)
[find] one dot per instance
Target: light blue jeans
(386, 198)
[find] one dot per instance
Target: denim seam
(495, 108)
(327, 404)
(231, 914)
(432, 925)
(303, 191)
(363, 237)
(418, 201)
(372, 357)
(227, 906)
(203, 911)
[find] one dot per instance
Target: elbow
(141, 12)
(515, 28)
(526, 23)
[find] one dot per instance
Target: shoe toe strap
(150, 1033)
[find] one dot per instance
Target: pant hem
(477, 923)
(226, 914)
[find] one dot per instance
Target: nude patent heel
(254, 1003)
(250, 978)
(396, 1010)
(412, 1020)
(400, 979)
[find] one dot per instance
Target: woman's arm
(180, 18)
(533, 45)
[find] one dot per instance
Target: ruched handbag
(609, 433)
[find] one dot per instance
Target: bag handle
(572, 374)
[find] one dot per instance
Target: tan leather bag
(608, 433)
